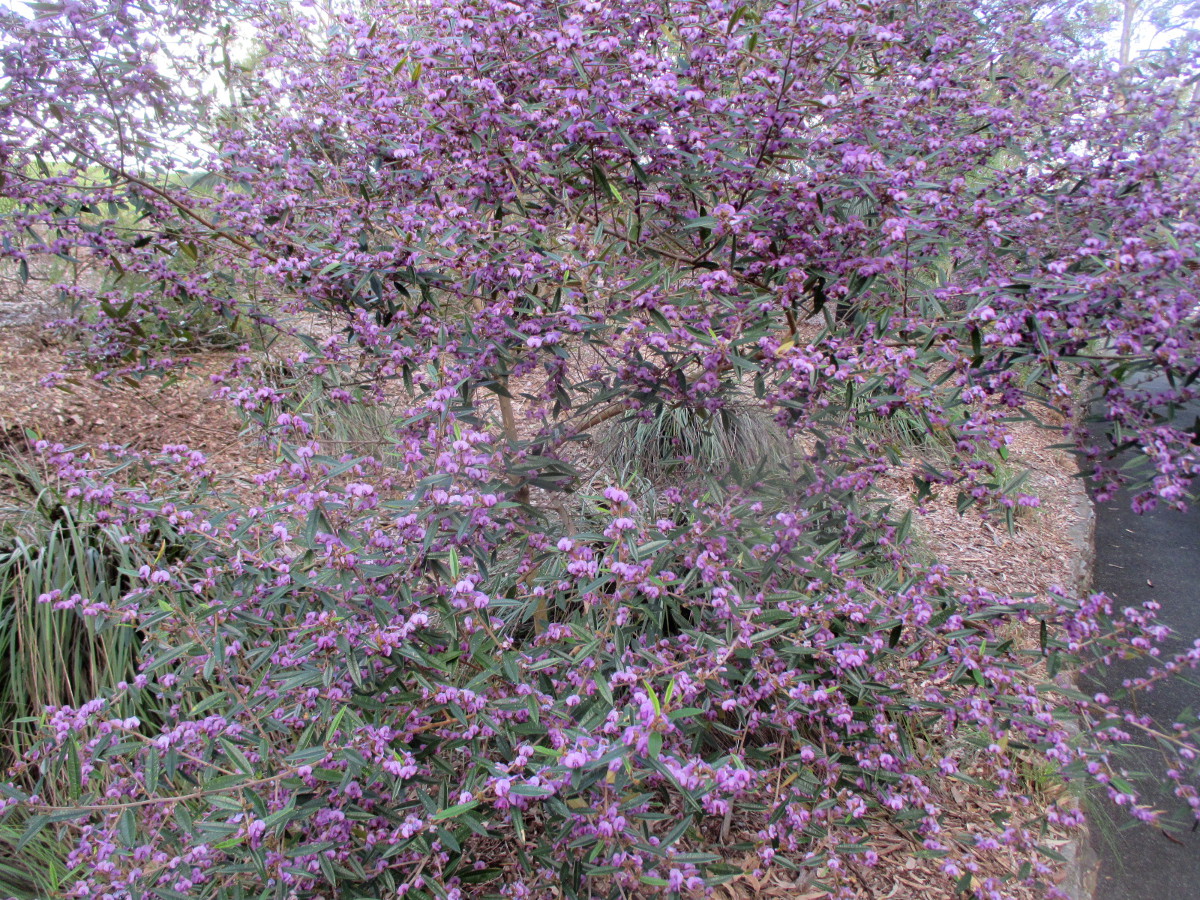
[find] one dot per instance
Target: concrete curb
(1082, 865)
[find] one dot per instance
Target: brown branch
(145, 185)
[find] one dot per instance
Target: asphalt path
(1138, 558)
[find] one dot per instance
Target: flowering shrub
(410, 675)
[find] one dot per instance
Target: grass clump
(680, 441)
(38, 870)
(61, 572)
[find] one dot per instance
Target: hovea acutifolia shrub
(420, 676)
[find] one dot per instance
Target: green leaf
(606, 187)
(733, 19)
(451, 811)
(127, 829)
(32, 828)
(74, 772)
(530, 790)
(239, 760)
(654, 745)
(924, 488)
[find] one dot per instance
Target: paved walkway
(1155, 556)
